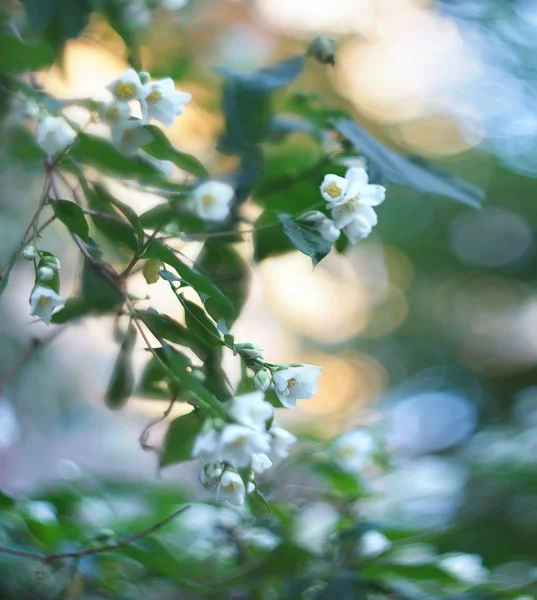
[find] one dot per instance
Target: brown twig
(47, 559)
(147, 429)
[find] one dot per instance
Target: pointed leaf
(72, 216)
(180, 438)
(309, 242)
(122, 381)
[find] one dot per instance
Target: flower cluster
(350, 200)
(249, 438)
(44, 297)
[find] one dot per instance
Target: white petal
(368, 214)
(357, 176)
(357, 230)
(373, 195)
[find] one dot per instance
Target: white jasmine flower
(231, 488)
(128, 136)
(208, 446)
(353, 450)
(162, 102)
(251, 410)
(45, 273)
(328, 230)
(39, 510)
(54, 135)
(52, 262)
(374, 543)
(314, 525)
(136, 14)
(333, 189)
(296, 383)
(116, 112)
(466, 567)
(29, 253)
(212, 200)
(358, 229)
(127, 87)
(281, 440)
(10, 430)
(43, 301)
(260, 463)
(359, 190)
(259, 537)
(239, 443)
(173, 4)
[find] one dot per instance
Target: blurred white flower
(41, 511)
(53, 135)
(128, 136)
(296, 383)
(210, 475)
(9, 425)
(466, 567)
(259, 537)
(231, 488)
(45, 273)
(43, 301)
(239, 443)
(281, 440)
(212, 200)
(208, 446)
(374, 543)
(333, 189)
(127, 87)
(162, 102)
(115, 112)
(352, 451)
(29, 253)
(359, 191)
(313, 526)
(173, 4)
(136, 14)
(260, 463)
(328, 230)
(251, 410)
(414, 554)
(358, 229)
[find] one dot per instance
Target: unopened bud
(262, 381)
(313, 218)
(323, 49)
(249, 351)
(29, 253)
(210, 474)
(151, 270)
(45, 273)
(145, 77)
(52, 262)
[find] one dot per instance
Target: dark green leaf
(16, 55)
(341, 482)
(309, 242)
(95, 287)
(269, 238)
(75, 308)
(40, 12)
(131, 215)
(72, 216)
(122, 382)
(97, 152)
(345, 585)
(154, 381)
(427, 572)
(192, 277)
(399, 170)
(162, 149)
(227, 269)
(6, 501)
(180, 438)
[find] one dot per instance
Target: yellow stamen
(154, 97)
(112, 114)
(208, 200)
(333, 190)
(238, 442)
(291, 383)
(43, 301)
(351, 205)
(125, 90)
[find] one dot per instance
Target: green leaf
(269, 238)
(429, 572)
(309, 242)
(4, 277)
(226, 268)
(76, 308)
(340, 481)
(180, 438)
(97, 152)
(72, 216)
(154, 381)
(95, 287)
(16, 55)
(6, 501)
(345, 585)
(162, 149)
(122, 381)
(130, 213)
(40, 12)
(192, 277)
(402, 171)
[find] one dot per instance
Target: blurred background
(428, 329)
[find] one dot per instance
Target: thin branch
(147, 429)
(47, 559)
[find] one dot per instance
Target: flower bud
(249, 351)
(145, 77)
(52, 262)
(45, 274)
(151, 271)
(29, 253)
(262, 381)
(313, 218)
(210, 475)
(323, 49)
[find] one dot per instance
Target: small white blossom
(208, 446)
(374, 543)
(231, 488)
(29, 253)
(239, 443)
(45, 273)
(251, 410)
(127, 87)
(212, 200)
(259, 537)
(466, 567)
(54, 135)
(281, 440)
(314, 525)
(128, 136)
(43, 301)
(353, 450)
(162, 102)
(328, 230)
(173, 4)
(116, 112)
(52, 262)
(296, 383)
(358, 189)
(210, 474)
(333, 189)
(260, 463)
(358, 229)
